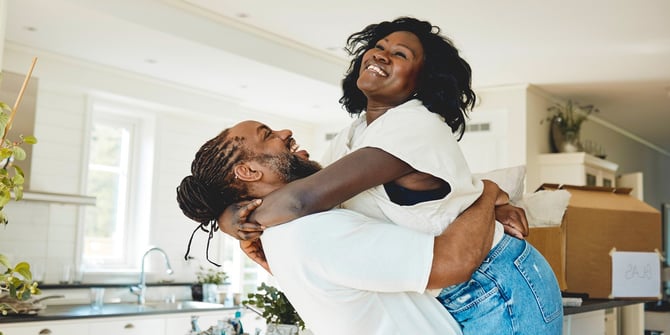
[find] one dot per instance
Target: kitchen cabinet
(585, 323)
(45, 328)
(128, 326)
(577, 168)
(155, 324)
(180, 324)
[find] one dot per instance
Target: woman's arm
(336, 183)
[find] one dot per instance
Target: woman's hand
(254, 250)
(513, 219)
(233, 221)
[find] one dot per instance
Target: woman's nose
(380, 56)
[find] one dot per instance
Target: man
(344, 273)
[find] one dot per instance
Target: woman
(412, 91)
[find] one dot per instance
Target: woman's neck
(375, 109)
(374, 112)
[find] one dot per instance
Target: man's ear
(247, 172)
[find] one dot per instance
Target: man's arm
(462, 247)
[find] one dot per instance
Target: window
(111, 231)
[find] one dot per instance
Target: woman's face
(389, 71)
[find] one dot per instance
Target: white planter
(210, 293)
(275, 329)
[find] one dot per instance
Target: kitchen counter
(79, 311)
(589, 305)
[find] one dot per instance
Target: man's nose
(284, 134)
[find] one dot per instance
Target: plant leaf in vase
(565, 125)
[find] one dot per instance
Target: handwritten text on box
(635, 274)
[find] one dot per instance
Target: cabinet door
(180, 324)
(177, 324)
(128, 326)
(44, 328)
(585, 323)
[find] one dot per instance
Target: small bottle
(238, 316)
(195, 328)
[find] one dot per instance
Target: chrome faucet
(141, 288)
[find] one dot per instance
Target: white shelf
(577, 168)
(59, 198)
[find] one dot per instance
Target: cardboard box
(597, 220)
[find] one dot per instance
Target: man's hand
(254, 249)
(233, 221)
(513, 219)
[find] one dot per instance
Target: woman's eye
(400, 54)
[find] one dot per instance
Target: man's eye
(379, 47)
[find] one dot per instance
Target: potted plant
(280, 316)
(565, 123)
(208, 284)
(16, 283)
(16, 288)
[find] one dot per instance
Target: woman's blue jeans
(514, 291)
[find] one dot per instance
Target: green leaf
(5, 108)
(19, 154)
(5, 197)
(30, 139)
(23, 268)
(5, 153)
(18, 193)
(18, 179)
(18, 170)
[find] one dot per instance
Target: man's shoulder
(325, 224)
(339, 214)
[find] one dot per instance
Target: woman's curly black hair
(444, 85)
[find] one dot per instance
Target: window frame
(138, 200)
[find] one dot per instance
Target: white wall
(511, 100)
(632, 156)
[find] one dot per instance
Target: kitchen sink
(127, 308)
(181, 305)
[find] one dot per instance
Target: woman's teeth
(376, 69)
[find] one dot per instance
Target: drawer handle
(45, 331)
(129, 326)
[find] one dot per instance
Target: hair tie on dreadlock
(213, 227)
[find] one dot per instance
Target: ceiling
(286, 57)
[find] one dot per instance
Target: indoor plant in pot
(16, 283)
(280, 316)
(16, 289)
(208, 282)
(565, 123)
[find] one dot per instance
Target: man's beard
(289, 167)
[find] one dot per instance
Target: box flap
(608, 198)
